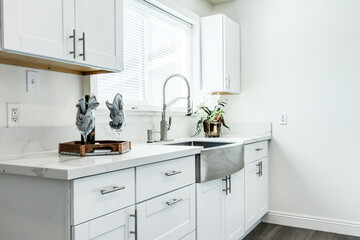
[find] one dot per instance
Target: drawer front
(255, 151)
(167, 217)
(99, 195)
(118, 225)
(159, 178)
(191, 236)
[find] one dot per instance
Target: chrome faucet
(164, 126)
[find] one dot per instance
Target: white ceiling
(218, 1)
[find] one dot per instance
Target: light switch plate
(14, 114)
(32, 79)
(283, 118)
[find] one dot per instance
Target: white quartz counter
(53, 165)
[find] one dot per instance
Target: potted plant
(213, 114)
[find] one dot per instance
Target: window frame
(195, 84)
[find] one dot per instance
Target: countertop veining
(53, 165)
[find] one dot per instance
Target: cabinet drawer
(167, 217)
(118, 225)
(159, 178)
(191, 236)
(255, 151)
(98, 195)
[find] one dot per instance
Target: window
(156, 45)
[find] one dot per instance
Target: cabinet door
(40, 27)
(263, 188)
(167, 217)
(251, 194)
(209, 210)
(234, 207)
(212, 52)
(118, 225)
(232, 56)
(99, 33)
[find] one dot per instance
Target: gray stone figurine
(117, 114)
(85, 118)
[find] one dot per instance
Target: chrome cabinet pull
(172, 173)
(135, 228)
(83, 39)
(111, 190)
(229, 177)
(259, 149)
(173, 201)
(259, 172)
(226, 185)
(73, 36)
(227, 83)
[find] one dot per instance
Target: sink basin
(217, 159)
(200, 144)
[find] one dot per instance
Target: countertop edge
(72, 174)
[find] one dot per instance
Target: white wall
(199, 7)
(302, 57)
(52, 105)
(48, 117)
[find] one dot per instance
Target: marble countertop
(56, 166)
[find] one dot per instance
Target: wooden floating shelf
(47, 64)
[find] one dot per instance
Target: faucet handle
(169, 124)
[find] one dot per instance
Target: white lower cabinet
(220, 208)
(191, 236)
(98, 195)
(119, 225)
(234, 208)
(256, 191)
(167, 217)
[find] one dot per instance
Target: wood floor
(265, 231)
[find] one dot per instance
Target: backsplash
(48, 116)
(46, 138)
(53, 104)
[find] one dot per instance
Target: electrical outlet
(283, 119)
(14, 115)
(32, 79)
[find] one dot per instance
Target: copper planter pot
(212, 129)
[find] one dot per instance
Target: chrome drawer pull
(172, 173)
(172, 202)
(113, 189)
(259, 149)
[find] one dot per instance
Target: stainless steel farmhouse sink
(217, 159)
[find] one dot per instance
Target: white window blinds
(156, 45)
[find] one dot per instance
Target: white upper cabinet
(81, 32)
(220, 45)
(39, 27)
(99, 33)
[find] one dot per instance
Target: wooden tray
(99, 148)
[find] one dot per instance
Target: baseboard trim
(312, 222)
